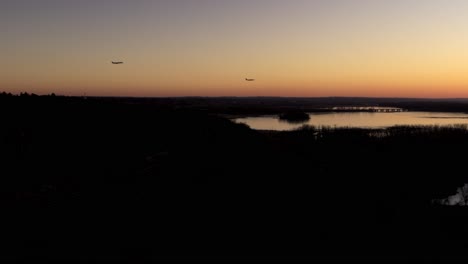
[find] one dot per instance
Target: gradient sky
(393, 48)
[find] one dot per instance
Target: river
(358, 119)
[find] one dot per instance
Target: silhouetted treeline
(239, 106)
(123, 179)
(24, 94)
(294, 116)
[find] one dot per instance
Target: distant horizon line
(246, 97)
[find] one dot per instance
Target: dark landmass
(241, 106)
(130, 179)
(294, 116)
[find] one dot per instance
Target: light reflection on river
(358, 119)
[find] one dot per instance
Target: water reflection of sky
(359, 119)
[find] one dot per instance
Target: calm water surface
(358, 119)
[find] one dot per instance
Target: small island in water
(294, 116)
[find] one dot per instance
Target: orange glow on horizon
(299, 48)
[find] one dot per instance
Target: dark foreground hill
(105, 180)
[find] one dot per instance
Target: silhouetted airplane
(117, 62)
(249, 80)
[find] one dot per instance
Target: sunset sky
(393, 48)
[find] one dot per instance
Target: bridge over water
(368, 109)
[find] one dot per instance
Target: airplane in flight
(117, 62)
(249, 80)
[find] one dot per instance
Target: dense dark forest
(174, 179)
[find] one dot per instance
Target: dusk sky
(393, 48)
